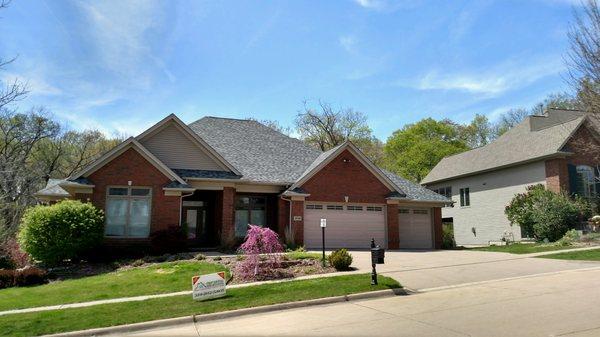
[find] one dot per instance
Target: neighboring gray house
(541, 150)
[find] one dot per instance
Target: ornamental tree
(261, 247)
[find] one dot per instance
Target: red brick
(227, 216)
(298, 225)
(393, 229)
(131, 166)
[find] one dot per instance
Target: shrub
(448, 237)
(12, 251)
(29, 276)
(200, 257)
(259, 241)
(544, 214)
(7, 278)
(569, 238)
(340, 259)
(170, 240)
(6, 262)
(52, 234)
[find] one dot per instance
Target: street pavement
(555, 304)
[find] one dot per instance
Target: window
(420, 211)
(128, 212)
(249, 210)
(354, 208)
(374, 209)
(465, 199)
(445, 191)
(586, 181)
(314, 206)
(403, 211)
(335, 207)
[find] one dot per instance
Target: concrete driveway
(422, 270)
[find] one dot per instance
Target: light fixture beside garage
(346, 198)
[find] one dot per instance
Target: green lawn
(159, 278)
(522, 248)
(35, 324)
(297, 255)
(589, 255)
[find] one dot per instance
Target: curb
(121, 329)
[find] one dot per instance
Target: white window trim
(128, 197)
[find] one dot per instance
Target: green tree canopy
(416, 148)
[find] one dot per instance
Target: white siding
(489, 194)
(176, 150)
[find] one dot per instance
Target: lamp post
(323, 225)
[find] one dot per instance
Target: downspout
(181, 206)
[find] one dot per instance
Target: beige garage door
(415, 228)
(348, 225)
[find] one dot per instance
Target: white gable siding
(176, 150)
(489, 193)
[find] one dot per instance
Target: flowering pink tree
(261, 248)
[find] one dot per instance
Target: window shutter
(573, 179)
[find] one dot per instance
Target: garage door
(415, 228)
(348, 226)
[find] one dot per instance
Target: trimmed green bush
(66, 230)
(544, 214)
(448, 236)
(340, 259)
(570, 237)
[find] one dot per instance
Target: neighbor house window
(249, 210)
(587, 181)
(128, 212)
(445, 191)
(465, 199)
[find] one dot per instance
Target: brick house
(217, 175)
(560, 150)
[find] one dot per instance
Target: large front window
(128, 212)
(249, 210)
(587, 181)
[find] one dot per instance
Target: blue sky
(121, 66)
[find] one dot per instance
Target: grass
(299, 255)
(587, 255)
(522, 248)
(158, 278)
(35, 324)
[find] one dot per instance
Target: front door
(195, 221)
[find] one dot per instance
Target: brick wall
(437, 227)
(131, 166)
(283, 217)
(338, 179)
(298, 225)
(228, 216)
(393, 229)
(557, 175)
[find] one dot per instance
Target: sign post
(208, 286)
(323, 225)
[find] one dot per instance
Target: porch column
(298, 220)
(393, 228)
(228, 216)
(283, 218)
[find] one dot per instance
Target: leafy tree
(325, 127)
(416, 148)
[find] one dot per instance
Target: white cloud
(121, 33)
(35, 82)
(388, 5)
(376, 4)
(348, 42)
(493, 81)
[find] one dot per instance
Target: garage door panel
(345, 228)
(415, 227)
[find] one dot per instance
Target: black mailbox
(377, 255)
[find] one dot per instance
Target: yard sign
(208, 286)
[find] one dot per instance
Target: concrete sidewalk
(562, 304)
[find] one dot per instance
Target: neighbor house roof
(259, 152)
(536, 138)
(53, 189)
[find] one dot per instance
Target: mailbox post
(377, 257)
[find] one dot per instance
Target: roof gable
(130, 143)
(326, 157)
(179, 147)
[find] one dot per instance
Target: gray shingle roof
(53, 189)
(414, 191)
(535, 137)
(260, 153)
(185, 173)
